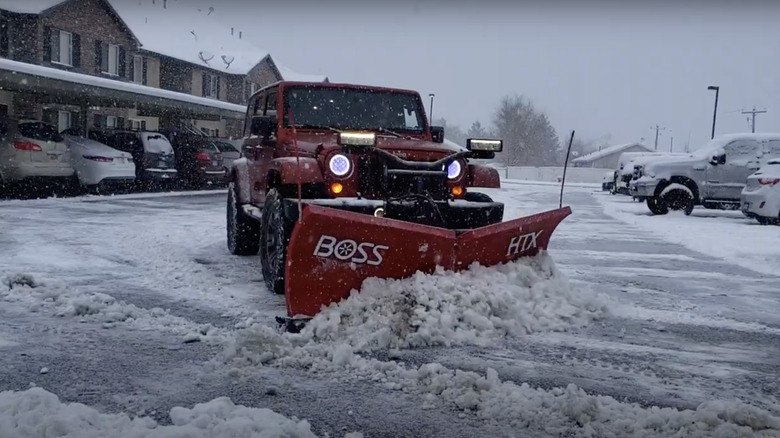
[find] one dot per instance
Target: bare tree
(477, 131)
(529, 138)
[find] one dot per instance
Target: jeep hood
(312, 141)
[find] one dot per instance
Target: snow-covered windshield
(157, 144)
(352, 108)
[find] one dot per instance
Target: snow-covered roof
(96, 81)
(28, 6)
(290, 75)
(608, 151)
(181, 30)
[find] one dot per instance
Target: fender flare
(239, 176)
(483, 176)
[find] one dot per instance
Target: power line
(753, 115)
(657, 130)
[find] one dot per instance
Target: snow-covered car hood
(86, 146)
(663, 165)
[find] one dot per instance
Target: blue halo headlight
(339, 165)
(453, 170)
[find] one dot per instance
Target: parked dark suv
(198, 159)
(155, 161)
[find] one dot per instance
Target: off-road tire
(275, 231)
(243, 232)
(678, 199)
(657, 206)
(477, 197)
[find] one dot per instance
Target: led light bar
(357, 139)
(475, 144)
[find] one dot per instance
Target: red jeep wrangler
(358, 148)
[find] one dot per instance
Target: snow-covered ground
(126, 316)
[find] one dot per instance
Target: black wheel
(767, 220)
(477, 197)
(243, 232)
(275, 233)
(657, 206)
(679, 199)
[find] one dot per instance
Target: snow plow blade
(332, 251)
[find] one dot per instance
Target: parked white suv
(30, 149)
(761, 195)
(713, 176)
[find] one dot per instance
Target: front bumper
(643, 188)
(760, 203)
(456, 214)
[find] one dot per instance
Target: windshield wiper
(387, 131)
(316, 127)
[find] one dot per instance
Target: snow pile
(477, 306)
(100, 308)
(37, 413)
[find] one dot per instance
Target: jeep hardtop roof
(285, 84)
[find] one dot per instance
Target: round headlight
(339, 165)
(453, 170)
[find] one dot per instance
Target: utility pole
(753, 115)
(671, 144)
(431, 95)
(657, 130)
(715, 111)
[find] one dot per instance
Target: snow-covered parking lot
(126, 316)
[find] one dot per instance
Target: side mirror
(263, 126)
(718, 159)
(437, 133)
(484, 148)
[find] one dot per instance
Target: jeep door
(726, 181)
(259, 151)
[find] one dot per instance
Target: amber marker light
(336, 188)
(457, 190)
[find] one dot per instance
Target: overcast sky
(599, 68)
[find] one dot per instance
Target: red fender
(287, 168)
(483, 176)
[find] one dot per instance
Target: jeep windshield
(350, 108)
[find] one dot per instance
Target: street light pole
(431, 95)
(715, 112)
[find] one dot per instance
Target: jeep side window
(270, 104)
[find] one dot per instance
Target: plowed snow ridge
(478, 306)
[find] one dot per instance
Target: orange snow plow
(332, 251)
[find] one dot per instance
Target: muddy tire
(275, 231)
(657, 206)
(243, 232)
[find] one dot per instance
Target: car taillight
(768, 181)
(202, 156)
(26, 146)
(97, 158)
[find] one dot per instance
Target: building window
(111, 122)
(63, 120)
(61, 47)
(138, 69)
(137, 124)
(110, 59)
(211, 132)
(210, 86)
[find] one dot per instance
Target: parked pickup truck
(712, 176)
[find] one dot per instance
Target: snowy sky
(609, 68)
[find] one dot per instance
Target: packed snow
(624, 334)
(725, 234)
(24, 291)
(37, 413)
